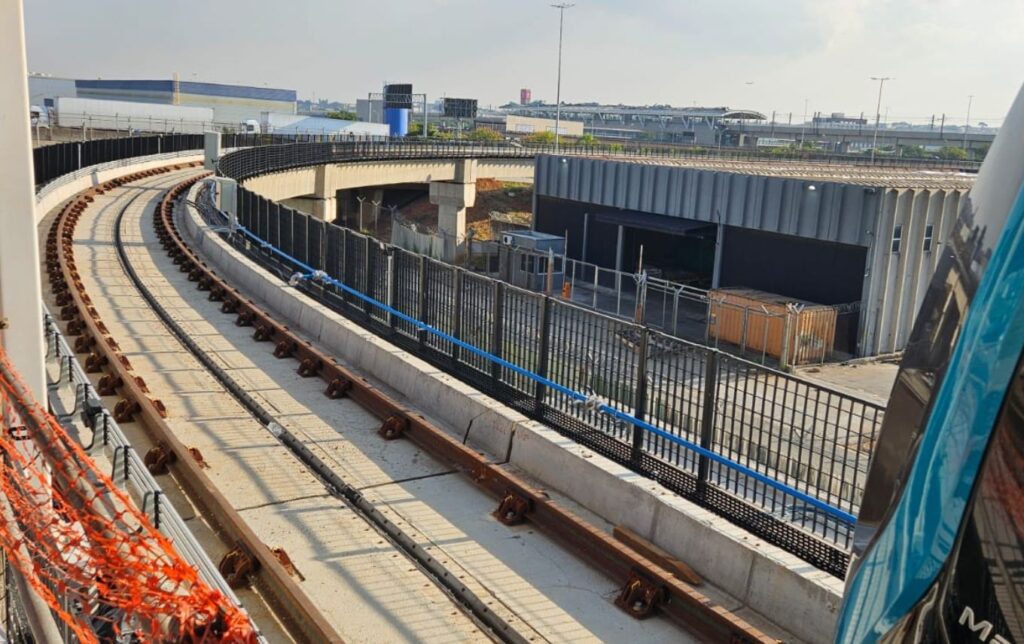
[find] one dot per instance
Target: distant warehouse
(230, 103)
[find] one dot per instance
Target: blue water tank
(397, 119)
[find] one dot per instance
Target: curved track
(356, 575)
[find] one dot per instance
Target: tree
(952, 153)
(911, 152)
(540, 138)
(343, 115)
(416, 129)
(588, 140)
(484, 135)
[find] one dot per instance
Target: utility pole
(878, 112)
(803, 125)
(558, 90)
(967, 123)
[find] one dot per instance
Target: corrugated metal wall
(825, 211)
(894, 278)
(897, 280)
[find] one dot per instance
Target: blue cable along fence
(784, 458)
(779, 456)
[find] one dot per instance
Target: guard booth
(530, 259)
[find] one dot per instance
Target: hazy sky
(682, 52)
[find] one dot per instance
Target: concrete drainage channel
(647, 587)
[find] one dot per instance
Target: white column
(20, 286)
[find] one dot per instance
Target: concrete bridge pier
(325, 202)
(452, 198)
(325, 208)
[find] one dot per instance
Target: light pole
(360, 200)
(558, 90)
(967, 123)
(878, 112)
(803, 125)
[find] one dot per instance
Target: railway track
(386, 539)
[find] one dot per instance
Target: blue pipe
(830, 510)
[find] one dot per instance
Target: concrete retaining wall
(762, 579)
(68, 185)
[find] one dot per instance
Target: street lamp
(878, 112)
(967, 123)
(803, 124)
(558, 91)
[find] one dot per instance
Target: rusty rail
(249, 556)
(647, 587)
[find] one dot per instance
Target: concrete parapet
(757, 576)
(59, 190)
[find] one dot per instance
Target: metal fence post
(456, 310)
(392, 286)
(421, 306)
(707, 421)
(346, 275)
(784, 358)
(542, 357)
(368, 276)
(640, 394)
(497, 330)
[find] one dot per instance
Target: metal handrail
(128, 468)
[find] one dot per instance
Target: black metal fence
(52, 161)
(247, 163)
(808, 437)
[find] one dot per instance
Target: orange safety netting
(81, 544)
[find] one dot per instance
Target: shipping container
(100, 114)
(770, 324)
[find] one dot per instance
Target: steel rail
(434, 569)
(648, 588)
(291, 604)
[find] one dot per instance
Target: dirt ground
(870, 380)
(507, 201)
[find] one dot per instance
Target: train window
(897, 237)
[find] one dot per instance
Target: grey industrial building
(868, 238)
(684, 125)
(230, 103)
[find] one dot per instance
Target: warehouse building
(865, 238)
(230, 103)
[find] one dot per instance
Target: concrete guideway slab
(345, 437)
(255, 475)
(727, 556)
(300, 519)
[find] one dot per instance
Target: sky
(766, 55)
